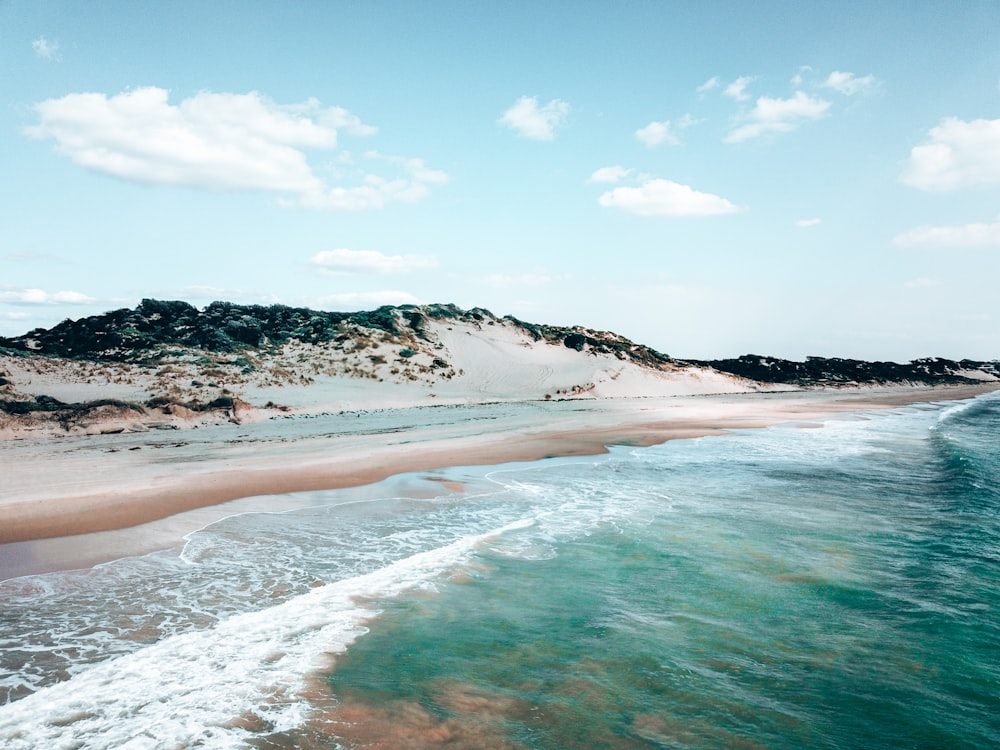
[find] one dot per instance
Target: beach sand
(66, 489)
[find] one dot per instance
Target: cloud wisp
(219, 141)
(737, 90)
(533, 121)
(968, 236)
(958, 154)
(342, 262)
(46, 49)
(609, 174)
(42, 297)
(849, 84)
(709, 85)
(778, 116)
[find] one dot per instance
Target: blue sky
(710, 179)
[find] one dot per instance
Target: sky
(706, 178)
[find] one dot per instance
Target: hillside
(168, 364)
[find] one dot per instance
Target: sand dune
(344, 413)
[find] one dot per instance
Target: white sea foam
(192, 689)
(960, 407)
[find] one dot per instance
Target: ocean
(833, 585)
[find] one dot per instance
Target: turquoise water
(834, 587)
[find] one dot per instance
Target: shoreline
(126, 486)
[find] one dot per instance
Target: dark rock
(837, 371)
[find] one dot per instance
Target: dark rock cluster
(129, 335)
(835, 371)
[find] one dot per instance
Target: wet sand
(75, 487)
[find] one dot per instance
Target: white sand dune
(450, 362)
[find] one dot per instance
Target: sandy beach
(65, 489)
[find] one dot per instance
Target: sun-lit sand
(510, 399)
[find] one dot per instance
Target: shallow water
(776, 588)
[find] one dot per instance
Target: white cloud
(737, 89)
(808, 222)
(343, 261)
(657, 133)
(958, 154)
(41, 297)
(961, 236)
(658, 197)
(708, 85)
(220, 142)
(532, 121)
(610, 174)
(216, 141)
(778, 116)
(45, 49)
(362, 300)
(849, 84)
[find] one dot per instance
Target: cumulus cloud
(610, 174)
(219, 141)
(778, 116)
(45, 49)
(958, 236)
(343, 261)
(957, 154)
(658, 133)
(737, 89)
(659, 197)
(808, 222)
(42, 297)
(539, 123)
(849, 84)
(363, 300)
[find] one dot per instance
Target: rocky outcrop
(154, 328)
(22, 416)
(822, 371)
(44, 413)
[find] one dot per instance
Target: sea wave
(208, 688)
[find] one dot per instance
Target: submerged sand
(75, 486)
